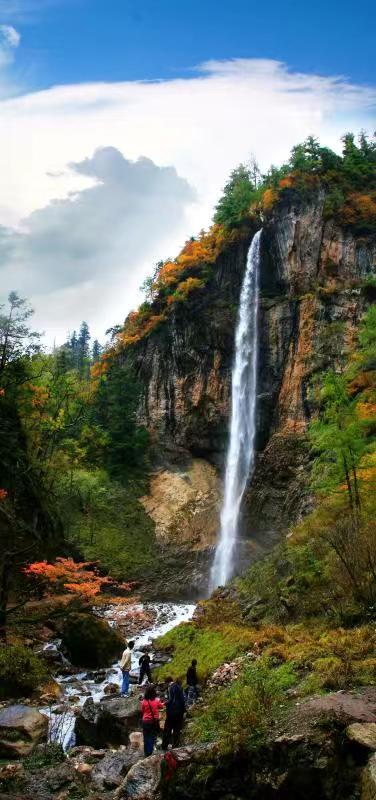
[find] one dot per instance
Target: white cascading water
(241, 451)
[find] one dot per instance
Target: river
(91, 683)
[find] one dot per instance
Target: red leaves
(79, 578)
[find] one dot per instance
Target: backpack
(168, 767)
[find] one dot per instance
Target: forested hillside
(111, 467)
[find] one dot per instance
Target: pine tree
(83, 351)
(96, 351)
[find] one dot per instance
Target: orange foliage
(205, 249)
(287, 182)
(269, 197)
(138, 325)
(100, 367)
(3, 495)
(359, 207)
(72, 576)
(168, 274)
(2, 392)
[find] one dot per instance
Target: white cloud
(203, 126)
(9, 41)
(11, 37)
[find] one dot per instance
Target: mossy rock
(90, 641)
(21, 671)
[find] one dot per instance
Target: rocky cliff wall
(313, 295)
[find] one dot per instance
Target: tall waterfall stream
(241, 451)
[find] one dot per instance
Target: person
(125, 666)
(144, 664)
(192, 683)
(175, 710)
(150, 708)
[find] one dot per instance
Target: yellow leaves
(168, 274)
(184, 289)
(269, 198)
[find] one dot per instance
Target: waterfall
(241, 453)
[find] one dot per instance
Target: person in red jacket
(150, 707)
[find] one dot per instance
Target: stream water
(77, 687)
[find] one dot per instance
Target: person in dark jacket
(175, 710)
(191, 691)
(144, 664)
(192, 679)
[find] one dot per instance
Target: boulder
(369, 780)
(44, 783)
(108, 722)
(347, 707)
(111, 688)
(90, 641)
(21, 729)
(110, 771)
(143, 780)
(363, 733)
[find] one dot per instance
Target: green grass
(210, 646)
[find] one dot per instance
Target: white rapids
(241, 451)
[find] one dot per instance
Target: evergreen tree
(83, 350)
(96, 351)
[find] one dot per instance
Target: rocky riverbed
(141, 622)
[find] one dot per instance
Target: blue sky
(69, 41)
(121, 121)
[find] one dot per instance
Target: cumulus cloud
(203, 125)
(98, 231)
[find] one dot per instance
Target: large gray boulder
(110, 771)
(143, 780)
(21, 729)
(109, 722)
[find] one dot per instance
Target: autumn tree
(79, 578)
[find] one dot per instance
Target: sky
(120, 122)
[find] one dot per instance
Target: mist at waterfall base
(241, 451)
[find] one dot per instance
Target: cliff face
(312, 297)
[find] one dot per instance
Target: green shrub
(21, 671)
(45, 755)
(90, 641)
(238, 716)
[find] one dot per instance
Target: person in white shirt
(125, 666)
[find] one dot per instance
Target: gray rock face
(21, 729)
(108, 722)
(312, 298)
